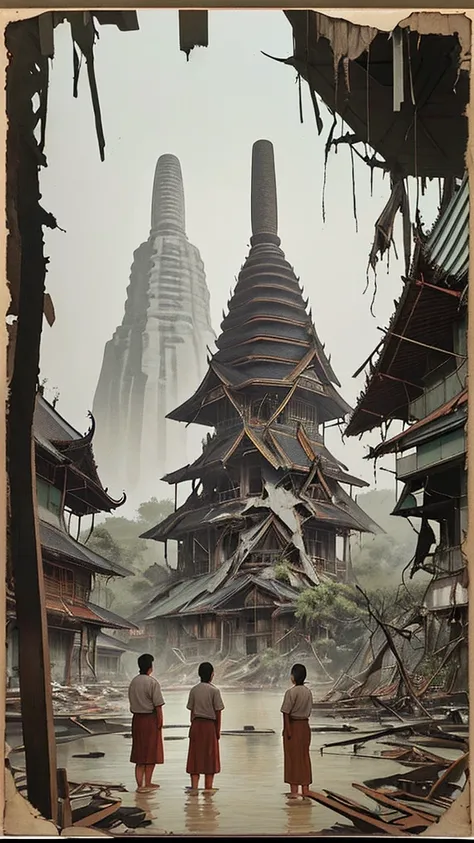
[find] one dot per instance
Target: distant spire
(167, 205)
(264, 208)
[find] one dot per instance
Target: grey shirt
(298, 702)
(204, 700)
(144, 694)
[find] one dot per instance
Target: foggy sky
(208, 112)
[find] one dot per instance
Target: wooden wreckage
(401, 97)
(268, 504)
(407, 802)
(418, 377)
(30, 45)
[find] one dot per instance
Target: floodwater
(251, 793)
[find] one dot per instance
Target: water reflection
(298, 816)
(251, 792)
(200, 813)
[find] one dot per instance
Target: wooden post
(26, 267)
(69, 655)
(345, 556)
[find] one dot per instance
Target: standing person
(205, 704)
(146, 705)
(296, 709)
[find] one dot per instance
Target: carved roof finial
(264, 207)
(167, 204)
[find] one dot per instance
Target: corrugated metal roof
(108, 643)
(180, 596)
(196, 596)
(111, 617)
(447, 247)
(74, 611)
(403, 440)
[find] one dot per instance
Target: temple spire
(167, 205)
(264, 207)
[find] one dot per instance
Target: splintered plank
(457, 768)
(388, 802)
(93, 813)
(359, 816)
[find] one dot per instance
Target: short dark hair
(205, 671)
(298, 672)
(145, 662)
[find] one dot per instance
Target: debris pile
(79, 700)
(406, 802)
(90, 805)
(263, 670)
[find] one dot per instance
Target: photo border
(461, 813)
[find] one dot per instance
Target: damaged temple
(268, 515)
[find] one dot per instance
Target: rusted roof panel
(80, 612)
(457, 405)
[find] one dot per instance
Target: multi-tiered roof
(267, 337)
(268, 390)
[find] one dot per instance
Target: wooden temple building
(419, 378)
(67, 489)
(268, 515)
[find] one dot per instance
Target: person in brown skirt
(296, 710)
(146, 705)
(205, 704)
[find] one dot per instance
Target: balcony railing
(446, 447)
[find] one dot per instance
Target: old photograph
(237, 585)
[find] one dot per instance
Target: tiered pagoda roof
(267, 337)
(63, 445)
(268, 340)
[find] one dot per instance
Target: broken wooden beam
(360, 817)
(383, 798)
(98, 809)
(25, 250)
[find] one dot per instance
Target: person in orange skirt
(146, 705)
(205, 704)
(296, 709)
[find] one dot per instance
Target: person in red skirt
(146, 705)
(296, 708)
(205, 704)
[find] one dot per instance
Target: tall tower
(266, 490)
(158, 355)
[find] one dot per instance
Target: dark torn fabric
(193, 30)
(398, 201)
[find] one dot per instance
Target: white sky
(208, 112)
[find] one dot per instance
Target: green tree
(154, 511)
(118, 539)
(332, 606)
